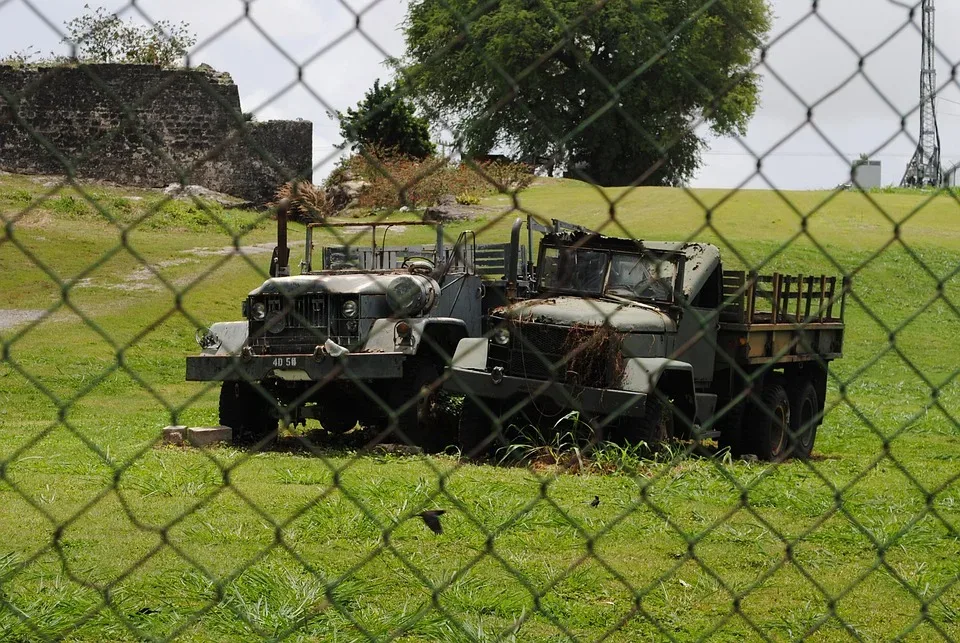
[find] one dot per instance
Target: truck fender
(228, 338)
(439, 337)
(471, 354)
(673, 378)
(435, 335)
(382, 337)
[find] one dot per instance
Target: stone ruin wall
(144, 126)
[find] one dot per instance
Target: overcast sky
(808, 64)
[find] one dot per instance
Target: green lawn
(106, 536)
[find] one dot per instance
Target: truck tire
(415, 422)
(474, 428)
(767, 430)
(247, 412)
(335, 419)
(804, 420)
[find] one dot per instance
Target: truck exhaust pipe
(280, 263)
(513, 258)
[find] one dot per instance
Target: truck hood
(348, 283)
(625, 316)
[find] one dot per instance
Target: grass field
(106, 536)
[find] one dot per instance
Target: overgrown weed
(570, 446)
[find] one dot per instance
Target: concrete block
(207, 435)
(174, 435)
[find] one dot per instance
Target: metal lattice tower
(924, 168)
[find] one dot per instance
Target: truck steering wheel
(418, 265)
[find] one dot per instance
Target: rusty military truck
(649, 341)
(362, 336)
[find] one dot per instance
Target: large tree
(386, 119)
(622, 89)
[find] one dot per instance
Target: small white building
(866, 174)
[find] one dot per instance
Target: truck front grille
(536, 366)
(309, 311)
(308, 321)
(537, 351)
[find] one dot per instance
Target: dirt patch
(145, 274)
(144, 279)
(395, 229)
(255, 249)
(36, 218)
(140, 279)
(10, 318)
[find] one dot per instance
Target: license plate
(286, 362)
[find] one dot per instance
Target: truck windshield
(642, 276)
(578, 269)
(597, 272)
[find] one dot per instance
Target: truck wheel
(474, 428)
(804, 408)
(419, 374)
(337, 420)
(768, 426)
(245, 410)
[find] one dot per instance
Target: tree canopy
(386, 119)
(624, 90)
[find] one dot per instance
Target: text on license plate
(286, 362)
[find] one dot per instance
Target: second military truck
(649, 341)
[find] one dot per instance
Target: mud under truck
(362, 336)
(653, 341)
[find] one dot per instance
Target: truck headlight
(258, 312)
(410, 295)
(350, 309)
(501, 337)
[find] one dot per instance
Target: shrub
(468, 199)
(513, 176)
(20, 58)
(340, 174)
(120, 205)
(16, 196)
(402, 181)
(188, 215)
(69, 206)
(309, 203)
(103, 37)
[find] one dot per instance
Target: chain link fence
(544, 410)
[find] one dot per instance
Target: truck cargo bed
(783, 318)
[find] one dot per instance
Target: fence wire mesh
(582, 413)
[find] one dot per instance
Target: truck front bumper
(306, 368)
(592, 401)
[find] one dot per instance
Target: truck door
(697, 332)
